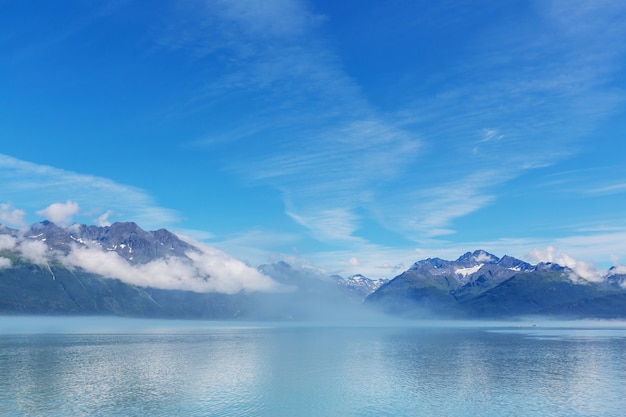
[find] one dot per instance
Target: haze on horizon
(349, 137)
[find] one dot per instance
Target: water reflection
(278, 370)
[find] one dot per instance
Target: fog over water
(104, 324)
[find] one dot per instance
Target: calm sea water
(117, 367)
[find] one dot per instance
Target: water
(116, 367)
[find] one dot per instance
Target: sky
(351, 137)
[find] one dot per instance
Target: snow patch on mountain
(468, 271)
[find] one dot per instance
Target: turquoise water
(117, 367)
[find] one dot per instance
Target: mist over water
(110, 366)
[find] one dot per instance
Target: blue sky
(353, 136)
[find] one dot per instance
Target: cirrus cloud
(31, 186)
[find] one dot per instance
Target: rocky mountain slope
(479, 284)
(123, 270)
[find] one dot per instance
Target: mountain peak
(514, 264)
(478, 257)
(125, 227)
(429, 263)
(550, 267)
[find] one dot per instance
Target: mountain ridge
(479, 284)
(122, 269)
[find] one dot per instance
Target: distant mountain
(479, 284)
(359, 285)
(315, 294)
(122, 269)
(124, 238)
(616, 276)
(48, 269)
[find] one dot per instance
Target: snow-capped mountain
(127, 239)
(481, 284)
(616, 276)
(123, 269)
(471, 267)
(360, 285)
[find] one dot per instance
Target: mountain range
(124, 270)
(479, 284)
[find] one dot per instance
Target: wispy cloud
(259, 246)
(490, 135)
(103, 219)
(513, 101)
(430, 211)
(592, 182)
(329, 224)
(54, 39)
(533, 98)
(329, 149)
(589, 254)
(33, 187)
(610, 189)
(340, 154)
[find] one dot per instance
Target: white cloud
(620, 269)
(229, 275)
(60, 213)
(5, 262)
(32, 186)
(609, 189)
(256, 246)
(483, 257)
(7, 242)
(103, 220)
(490, 135)
(34, 250)
(269, 18)
(583, 269)
(386, 261)
(11, 216)
(373, 261)
(328, 224)
(198, 235)
(208, 271)
(340, 150)
(430, 211)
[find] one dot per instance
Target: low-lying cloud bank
(205, 270)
